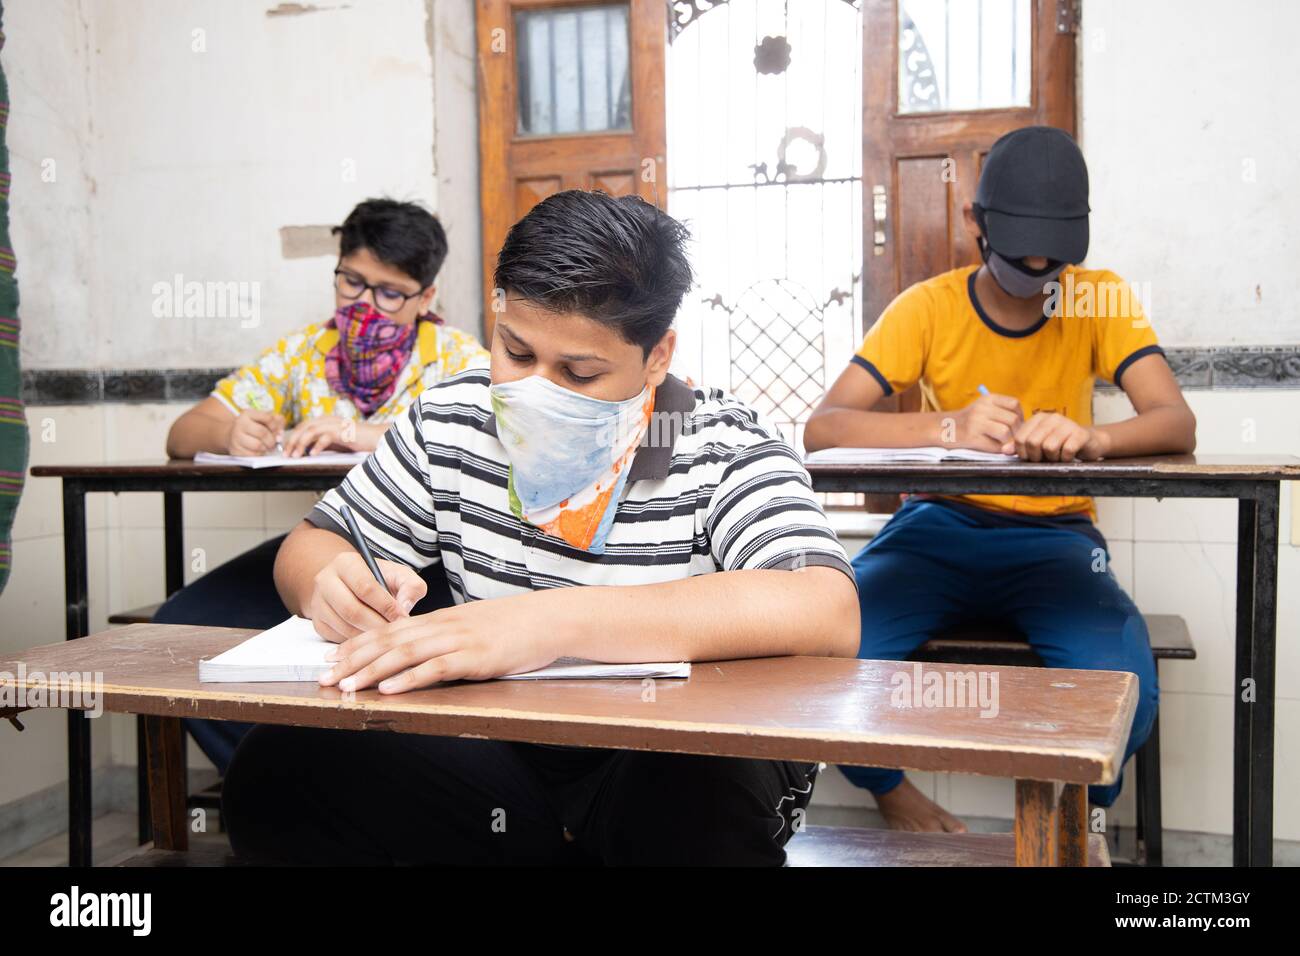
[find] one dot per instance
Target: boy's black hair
(619, 261)
(403, 235)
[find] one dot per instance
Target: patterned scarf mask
(569, 455)
(371, 352)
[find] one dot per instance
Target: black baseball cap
(1033, 195)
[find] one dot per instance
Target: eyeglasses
(352, 286)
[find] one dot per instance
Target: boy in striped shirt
(584, 502)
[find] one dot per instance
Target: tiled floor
(114, 834)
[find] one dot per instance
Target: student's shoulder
(456, 410)
(720, 420)
(936, 295)
(1100, 294)
(319, 336)
(462, 346)
(469, 386)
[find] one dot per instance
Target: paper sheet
(935, 453)
(293, 651)
(277, 459)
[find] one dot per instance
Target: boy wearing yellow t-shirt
(1005, 355)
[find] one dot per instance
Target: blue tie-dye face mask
(569, 455)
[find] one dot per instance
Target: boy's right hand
(254, 433)
(986, 424)
(346, 600)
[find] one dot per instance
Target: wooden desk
(1055, 731)
(172, 478)
(1253, 481)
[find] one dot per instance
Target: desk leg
(77, 624)
(174, 568)
(174, 580)
(166, 745)
(1051, 826)
(1252, 794)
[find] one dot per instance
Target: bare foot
(907, 808)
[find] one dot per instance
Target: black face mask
(1012, 276)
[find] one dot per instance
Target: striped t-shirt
(712, 488)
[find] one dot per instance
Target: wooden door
(571, 96)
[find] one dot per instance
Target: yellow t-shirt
(936, 333)
(289, 377)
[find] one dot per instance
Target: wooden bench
(993, 646)
(137, 615)
(1053, 732)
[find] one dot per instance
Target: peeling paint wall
(1189, 128)
(46, 60)
(189, 134)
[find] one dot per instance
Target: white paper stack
(293, 651)
(872, 456)
(277, 459)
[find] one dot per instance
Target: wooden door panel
(520, 170)
(923, 225)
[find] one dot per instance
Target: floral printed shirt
(289, 378)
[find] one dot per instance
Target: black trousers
(298, 795)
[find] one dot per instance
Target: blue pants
(933, 567)
(241, 593)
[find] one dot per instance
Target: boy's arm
(244, 414)
(1164, 424)
(731, 614)
(211, 426)
(842, 420)
(205, 427)
(722, 616)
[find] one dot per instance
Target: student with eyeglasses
(336, 385)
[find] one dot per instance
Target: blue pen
(984, 391)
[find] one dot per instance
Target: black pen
(359, 542)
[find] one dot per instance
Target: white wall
(1188, 122)
(46, 58)
(185, 135)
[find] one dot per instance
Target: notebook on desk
(277, 459)
(293, 651)
(873, 456)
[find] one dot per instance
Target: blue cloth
(933, 567)
(241, 593)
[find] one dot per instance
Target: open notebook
(871, 456)
(293, 651)
(276, 459)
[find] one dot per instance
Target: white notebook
(871, 456)
(277, 459)
(293, 651)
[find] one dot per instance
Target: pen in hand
(359, 542)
